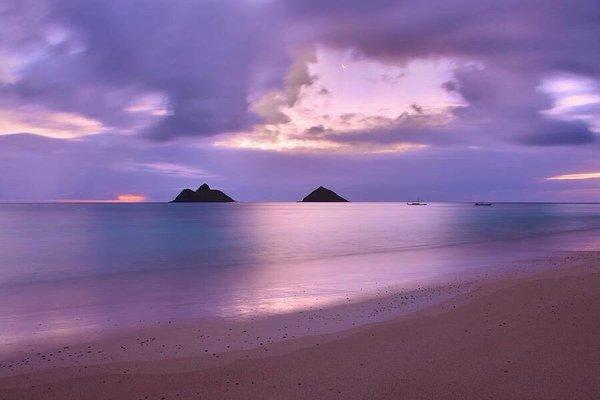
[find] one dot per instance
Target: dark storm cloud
(407, 128)
(555, 33)
(204, 56)
(555, 133)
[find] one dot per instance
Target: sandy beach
(530, 332)
(296, 199)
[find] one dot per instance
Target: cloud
(98, 167)
(534, 32)
(168, 70)
(513, 48)
(268, 106)
(578, 176)
(171, 169)
(556, 133)
(334, 95)
(35, 120)
(575, 98)
(111, 53)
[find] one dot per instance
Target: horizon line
(113, 201)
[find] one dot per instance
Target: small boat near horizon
(483, 203)
(416, 203)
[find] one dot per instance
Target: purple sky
(379, 100)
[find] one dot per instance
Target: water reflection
(67, 269)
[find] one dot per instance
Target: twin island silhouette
(205, 194)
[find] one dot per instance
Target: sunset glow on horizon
(131, 198)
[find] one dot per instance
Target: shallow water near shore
(71, 269)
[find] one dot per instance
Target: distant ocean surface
(69, 268)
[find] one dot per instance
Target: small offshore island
(323, 195)
(204, 194)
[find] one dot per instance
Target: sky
(381, 100)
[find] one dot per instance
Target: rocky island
(204, 194)
(322, 194)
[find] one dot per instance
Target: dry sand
(530, 332)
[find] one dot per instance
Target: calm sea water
(65, 268)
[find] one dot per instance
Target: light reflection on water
(70, 268)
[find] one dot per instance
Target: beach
(295, 199)
(528, 331)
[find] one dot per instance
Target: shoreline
(223, 335)
(421, 270)
(23, 377)
(385, 303)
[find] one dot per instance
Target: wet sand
(528, 332)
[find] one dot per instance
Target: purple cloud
(193, 70)
(206, 57)
(203, 56)
(517, 44)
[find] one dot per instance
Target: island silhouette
(323, 195)
(204, 194)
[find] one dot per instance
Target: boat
(482, 203)
(416, 203)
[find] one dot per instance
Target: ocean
(68, 269)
